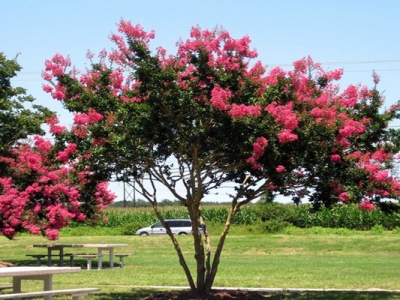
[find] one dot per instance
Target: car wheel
(182, 233)
(144, 233)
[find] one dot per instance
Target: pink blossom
(242, 110)
(366, 205)
(376, 77)
(89, 54)
(251, 160)
(287, 136)
(335, 74)
(372, 168)
(219, 98)
(335, 158)
(381, 156)
(344, 197)
(42, 144)
(351, 127)
(280, 169)
(103, 54)
(47, 88)
(381, 176)
(59, 95)
(52, 234)
(283, 115)
(62, 156)
(94, 116)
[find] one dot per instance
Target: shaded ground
(215, 295)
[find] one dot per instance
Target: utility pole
(129, 192)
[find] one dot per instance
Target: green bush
(131, 228)
(275, 226)
(275, 211)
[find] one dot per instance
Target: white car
(178, 226)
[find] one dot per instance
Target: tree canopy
(209, 115)
(17, 119)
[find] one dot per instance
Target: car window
(173, 223)
(157, 225)
(186, 224)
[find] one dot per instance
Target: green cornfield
(119, 216)
(266, 217)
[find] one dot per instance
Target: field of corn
(267, 217)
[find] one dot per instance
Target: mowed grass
(310, 261)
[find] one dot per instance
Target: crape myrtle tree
(376, 141)
(209, 116)
(41, 189)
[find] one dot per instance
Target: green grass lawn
(311, 261)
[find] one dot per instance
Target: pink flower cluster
(366, 205)
(54, 127)
(90, 118)
(239, 111)
(258, 150)
(219, 98)
(49, 196)
(284, 115)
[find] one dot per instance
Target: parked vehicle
(178, 226)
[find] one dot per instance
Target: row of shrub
(271, 217)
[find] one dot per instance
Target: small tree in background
(206, 117)
(41, 189)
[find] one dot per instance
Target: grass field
(303, 260)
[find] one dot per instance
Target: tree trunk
(213, 271)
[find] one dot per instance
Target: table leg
(61, 257)
(16, 285)
(48, 285)
(47, 282)
(111, 257)
(49, 257)
(100, 259)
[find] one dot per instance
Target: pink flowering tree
(42, 188)
(208, 116)
(361, 164)
(45, 190)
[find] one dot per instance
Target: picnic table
(35, 273)
(100, 249)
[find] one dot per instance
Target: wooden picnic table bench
(88, 257)
(38, 273)
(40, 256)
(121, 258)
(100, 249)
(5, 286)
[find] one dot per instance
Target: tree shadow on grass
(137, 294)
(356, 295)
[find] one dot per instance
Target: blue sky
(358, 36)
